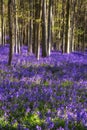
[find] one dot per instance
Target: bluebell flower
(60, 128)
(38, 127)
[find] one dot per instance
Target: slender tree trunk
(72, 25)
(30, 33)
(37, 27)
(84, 27)
(10, 31)
(49, 27)
(67, 44)
(2, 22)
(63, 27)
(4, 29)
(44, 29)
(16, 26)
(34, 33)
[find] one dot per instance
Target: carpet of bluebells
(49, 94)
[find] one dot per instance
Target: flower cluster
(49, 94)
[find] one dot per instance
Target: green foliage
(31, 120)
(66, 83)
(38, 20)
(46, 83)
(77, 126)
(79, 31)
(60, 7)
(56, 28)
(59, 122)
(2, 121)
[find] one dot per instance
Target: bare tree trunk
(16, 26)
(30, 33)
(63, 27)
(49, 27)
(2, 22)
(34, 33)
(37, 27)
(10, 20)
(44, 29)
(72, 25)
(67, 27)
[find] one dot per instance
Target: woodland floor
(49, 94)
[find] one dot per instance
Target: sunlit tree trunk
(67, 27)
(72, 25)
(49, 27)
(16, 30)
(30, 33)
(52, 29)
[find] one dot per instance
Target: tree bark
(44, 29)
(11, 39)
(67, 27)
(49, 27)
(2, 22)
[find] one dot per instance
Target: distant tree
(2, 23)
(41, 23)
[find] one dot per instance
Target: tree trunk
(44, 29)
(37, 27)
(10, 20)
(16, 26)
(34, 33)
(49, 27)
(63, 27)
(2, 22)
(72, 26)
(67, 27)
(30, 33)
